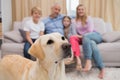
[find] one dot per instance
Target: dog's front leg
(63, 75)
(57, 72)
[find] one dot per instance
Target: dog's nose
(66, 46)
(67, 50)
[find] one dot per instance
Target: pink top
(88, 27)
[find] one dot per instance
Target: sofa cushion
(99, 25)
(6, 40)
(111, 36)
(14, 36)
(118, 41)
(110, 52)
(14, 48)
(22, 32)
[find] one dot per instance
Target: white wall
(6, 9)
(0, 8)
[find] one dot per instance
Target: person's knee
(93, 44)
(73, 37)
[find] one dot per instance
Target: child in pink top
(69, 30)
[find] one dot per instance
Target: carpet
(110, 74)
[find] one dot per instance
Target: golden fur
(15, 67)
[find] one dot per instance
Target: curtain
(106, 9)
(22, 8)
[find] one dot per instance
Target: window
(71, 7)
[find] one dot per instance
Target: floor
(110, 74)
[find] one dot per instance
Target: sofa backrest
(100, 25)
(17, 25)
(20, 24)
(108, 27)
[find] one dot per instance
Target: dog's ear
(36, 50)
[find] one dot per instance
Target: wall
(0, 8)
(6, 10)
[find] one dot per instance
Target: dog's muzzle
(67, 50)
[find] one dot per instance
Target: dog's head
(52, 46)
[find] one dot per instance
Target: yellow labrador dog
(50, 51)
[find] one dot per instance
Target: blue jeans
(90, 49)
(26, 48)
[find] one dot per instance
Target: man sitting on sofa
(53, 23)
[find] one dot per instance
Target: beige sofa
(109, 49)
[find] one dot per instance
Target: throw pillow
(6, 40)
(22, 32)
(14, 36)
(111, 36)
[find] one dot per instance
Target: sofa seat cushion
(110, 52)
(12, 48)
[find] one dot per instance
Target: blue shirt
(54, 25)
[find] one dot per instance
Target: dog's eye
(63, 38)
(50, 41)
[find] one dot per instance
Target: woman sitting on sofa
(88, 37)
(33, 29)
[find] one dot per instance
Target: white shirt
(33, 28)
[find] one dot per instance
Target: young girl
(69, 31)
(75, 41)
(33, 28)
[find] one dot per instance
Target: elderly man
(53, 23)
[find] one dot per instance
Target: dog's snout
(66, 46)
(67, 50)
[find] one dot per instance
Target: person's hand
(79, 36)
